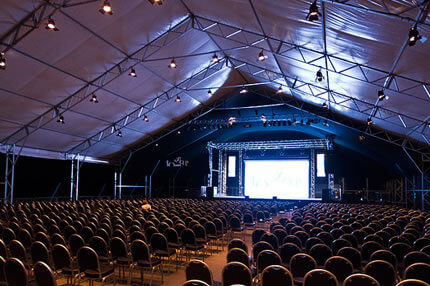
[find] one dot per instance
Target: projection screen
(285, 179)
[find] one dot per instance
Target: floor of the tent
(216, 261)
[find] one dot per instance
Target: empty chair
(160, 247)
(311, 242)
(300, 264)
(259, 247)
(75, 242)
(142, 259)
(239, 255)
(57, 238)
(98, 244)
(340, 267)
(293, 239)
(412, 282)
(385, 255)
(3, 249)
(353, 255)
(418, 271)
(39, 252)
(382, 271)
(120, 253)
(195, 283)
(415, 257)
(44, 275)
(237, 243)
(266, 258)
(190, 244)
(272, 239)
(421, 242)
(286, 251)
(15, 272)
(63, 263)
(400, 249)
(320, 252)
(318, 277)
(8, 235)
(198, 270)
(360, 280)
(368, 248)
(91, 268)
(236, 273)
(276, 275)
(338, 244)
(17, 250)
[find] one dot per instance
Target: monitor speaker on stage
(247, 198)
(210, 192)
(326, 195)
(275, 198)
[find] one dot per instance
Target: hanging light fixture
(2, 61)
(414, 36)
(159, 2)
(132, 73)
(215, 58)
(244, 90)
(261, 56)
(280, 90)
(209, 92)
(172, 64)
(263, 118)
(369, 121)
(324, 105)
(178, 99)
(313, 12)
(179, 132)
(381, 95)
(51, 25)
(145, 118)
(325, 123)
(319, 76)
(119, 134)
(106, 8)
(61, 119)
(94, 99)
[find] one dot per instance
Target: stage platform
(226, 197)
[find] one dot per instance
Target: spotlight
(414, 36)
(215, 58)
(361, 137)
(381, 95)
(325, 123)
(369, 121)
(119, 134)
(178, 99)
(172, 64)
(94, 99)
(156, 144)
(313, 12)
(2, 61)
(61, 119)
(324, 105)
(179, 132)
(263, 118)
(51, 25)
(106, 8)
(159, 2)
(209, 92)
(243, 90)
(294, 121)
(280, 90)
(132, 73)
(319, 76)
(145, 118)
(261, 56)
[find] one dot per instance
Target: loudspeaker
(247, 198)
(326, 195)
(209, 192)
(275, 198)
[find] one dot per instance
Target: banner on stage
(177, 162)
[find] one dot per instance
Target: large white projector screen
(285, 179)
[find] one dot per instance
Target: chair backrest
(60, 257)
(352, 254)
(266, 258)
(412, 282)
(188, 237)
(198, 270)
(118, 248)
(272, 239)
(15, 272)
(137, 235)
(339, 266)
(17, 250)
(382, 271)
(368, 248)
(360, 280)
(318, 277)
(287, 250)
(415, 257)
(44, 275)
(140, 250)
(400, 249)
(301, 263)
(239, 255)
(276, 275)
(237, 243)
(3, 249)
(421, 242)
(88, 259)
(259, 247)
(99, 245)
(2, 274)
(236, 273)
(195, 283)
(75, 242)
(338, 244)
(57, 238)
(39, 252)
(385, 255)
(418, 271)
(256, 235)
(320, 252)
(293, 239)
(159, 242)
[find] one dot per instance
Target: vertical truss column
(210, 149)
(9, 178)
(220, 173)
(74, 180)
(224, 173)
(115, 184)
(240, 173)
(313, 173)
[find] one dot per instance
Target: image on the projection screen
(285, 179)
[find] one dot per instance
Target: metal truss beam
(90, 88)
(395, 139)
(11, 158)
(272, 145)
(150, 105)
(313, 58)
(309, 89)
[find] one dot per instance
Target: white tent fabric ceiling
(360, 46)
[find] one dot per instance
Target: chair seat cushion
(175, 245)
(105, 270)
(122, 260)
(193, 246)
(237, 229)
(167, 252)
(146, 263)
